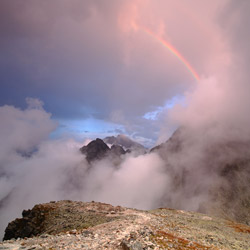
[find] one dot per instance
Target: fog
(36, 169)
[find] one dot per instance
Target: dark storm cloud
(48, 51)
(80, 58)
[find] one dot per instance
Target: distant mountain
(172, 145)
(95, 150)
(124, 141)
(218, 171)
(209, 177)
(112, 147)
(98, 149)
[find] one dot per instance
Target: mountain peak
(95, 150)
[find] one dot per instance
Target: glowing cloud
(174, 51)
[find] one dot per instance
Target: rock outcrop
(94, 225)
(98, 149)
(56, 217)
(95, 150)
(112, 147)
(173, 145)
(117, 150)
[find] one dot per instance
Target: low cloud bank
(207, 157)
(35, 169)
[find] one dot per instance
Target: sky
(100, 68)
(75, 70)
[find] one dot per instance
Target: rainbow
(174, 51)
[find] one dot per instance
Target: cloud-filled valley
(35, 170)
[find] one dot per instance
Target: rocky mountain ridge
(111, 147)
(95, 225)
(98, 150)
(223, 169)
(220, 179)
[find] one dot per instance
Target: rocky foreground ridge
(94, 225)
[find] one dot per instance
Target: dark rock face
(117, 150)
(31, 223)
(172, 145)
(95, 150)
(98, 149)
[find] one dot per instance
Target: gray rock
(95, 150)
(131, 245)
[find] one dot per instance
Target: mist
(36, 169)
